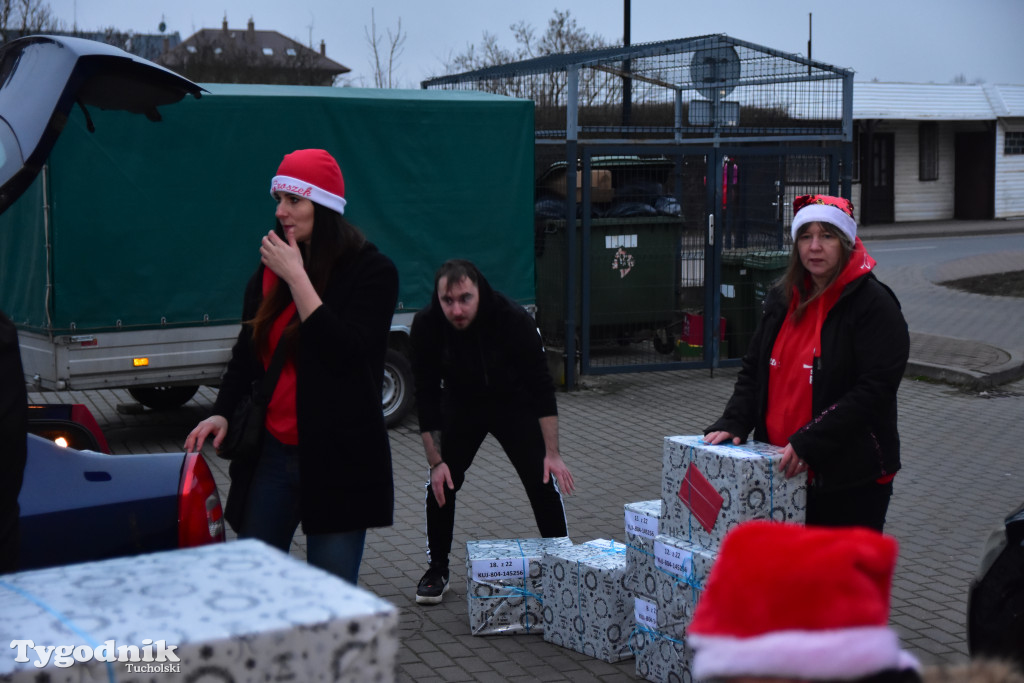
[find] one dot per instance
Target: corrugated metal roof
(921, 101)
(1006, 100)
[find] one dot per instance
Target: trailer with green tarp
(124, 264)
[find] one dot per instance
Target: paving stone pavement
(962, 474)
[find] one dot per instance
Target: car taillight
(200, 516)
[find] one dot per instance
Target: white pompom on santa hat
(790, 601)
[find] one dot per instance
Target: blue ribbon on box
(516, 591)
(654, 635)
(677, 580)
(91, 642)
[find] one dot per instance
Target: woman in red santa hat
(821, 373)
(324, 295)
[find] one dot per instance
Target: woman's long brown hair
(796, 277)
(334, 241)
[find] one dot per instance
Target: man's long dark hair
(334, 241)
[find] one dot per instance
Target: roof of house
(146, 45)
(937, 102)
(270, 44)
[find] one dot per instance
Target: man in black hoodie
(480, 368)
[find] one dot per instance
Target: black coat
(852, 437)
(499, 359)
(344, 451)
(13, 441)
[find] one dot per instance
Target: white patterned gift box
(587, 607)
(707, 490)
(239, 611)
(681, 572)
(505, 584)
(641, 524)
(660, 657)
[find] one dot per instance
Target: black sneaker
(433, 586)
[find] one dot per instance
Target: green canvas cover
(160, 223)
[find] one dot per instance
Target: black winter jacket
(852, 437)
(344, 451)
(499, 358)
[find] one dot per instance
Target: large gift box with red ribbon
(707, 490)
(505, 584)
(587, 607)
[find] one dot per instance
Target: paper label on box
(501, 568)
(642, 525)
(673, 560)
(646, 614)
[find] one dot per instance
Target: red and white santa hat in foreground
(790, 601)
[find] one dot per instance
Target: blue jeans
(272, 514)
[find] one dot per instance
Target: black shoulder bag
(246, 424)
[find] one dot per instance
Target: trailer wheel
(163, 398)
(396, 394)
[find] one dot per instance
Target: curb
(1010, 371)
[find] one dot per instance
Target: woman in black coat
(328, 295)
(822, 371)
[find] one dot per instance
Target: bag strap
(274, 369)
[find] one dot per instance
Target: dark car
(77, 501)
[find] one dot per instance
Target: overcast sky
(916, 41)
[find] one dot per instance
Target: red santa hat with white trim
(313, 174)
(823, 208)
(790, 601)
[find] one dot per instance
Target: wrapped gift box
(660, 657)
(707, 490)
(642, 525)
(238, 611)
(681, 571)
(504, 584)
(587, 608)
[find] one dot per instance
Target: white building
(938, 152)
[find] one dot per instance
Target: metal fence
(665, 173)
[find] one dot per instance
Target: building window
(1014, 142)
(928, 151)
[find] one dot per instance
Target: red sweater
(282, 421)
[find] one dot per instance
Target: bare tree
(385, 52)
(24, 17)
(563, 35)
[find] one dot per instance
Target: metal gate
(660, 250)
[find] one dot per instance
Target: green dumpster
(634, 276)
(746, 279)
(765, 268)
(736, 303)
